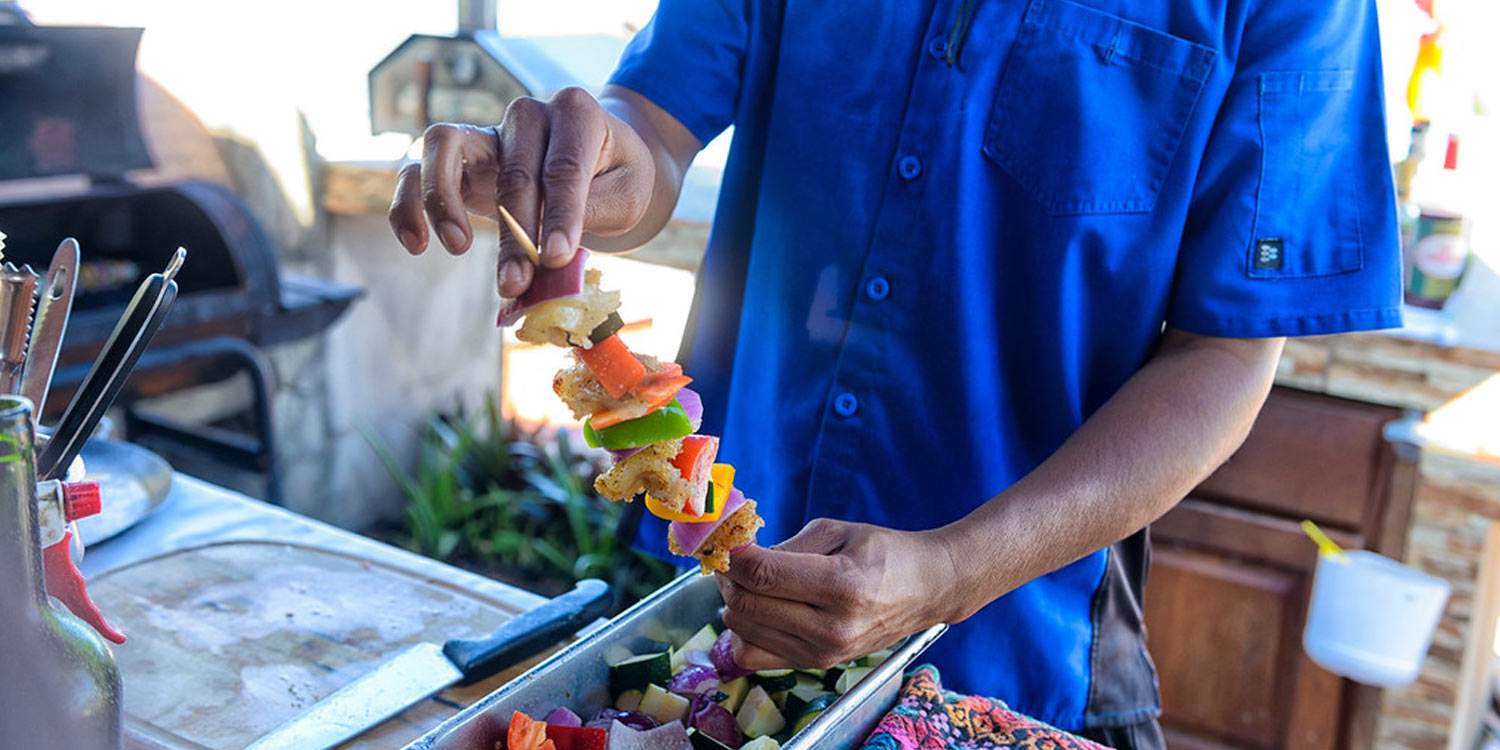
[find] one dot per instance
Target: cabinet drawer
(1308, 456)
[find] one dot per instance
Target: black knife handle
(530, 632)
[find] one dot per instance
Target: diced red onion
(669, 736)
(632, 719)
(547, 284)
(694, 680)
(624, 453)
(692, 403)
(691, 536)
(723, 656)
(713, 719)
(562, 717)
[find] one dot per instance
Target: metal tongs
(142, 319)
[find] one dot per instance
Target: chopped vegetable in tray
(692, 696)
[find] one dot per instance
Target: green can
(1439, 257)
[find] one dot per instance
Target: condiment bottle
(1440, 253)
(79, 655)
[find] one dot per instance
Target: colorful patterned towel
(926, 717)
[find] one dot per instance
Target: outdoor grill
(69, 110)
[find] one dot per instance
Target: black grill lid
(67, 102)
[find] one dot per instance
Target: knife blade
(53, 308)
(423, 669)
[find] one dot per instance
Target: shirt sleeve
(689, 60)
(1292, 227)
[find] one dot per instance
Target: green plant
(484, 490)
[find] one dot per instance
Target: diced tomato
(697, 455)
(613, 366)
(576, 738)
(526, 733)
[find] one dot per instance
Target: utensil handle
(142, 318)
(530, 632)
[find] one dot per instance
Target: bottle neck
(20, 533)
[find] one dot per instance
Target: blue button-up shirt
(949, 230)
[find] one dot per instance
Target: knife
(143, 317)
(424, 669)
(51, 320)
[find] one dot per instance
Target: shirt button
(938, 47)
(845, 404)
(877, 288)
(910, 167)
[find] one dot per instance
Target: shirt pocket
(1091, 108)
(1306, 218)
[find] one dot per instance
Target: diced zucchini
(831, 676)
(703, 640)
(813, 710)
(764, 742)
(734, 693)
(703, 741)
(805, 719)
(629, 700)
(663, 706)
(616, 653)
(637, 672)
(758, 716)
(802, 694)
(774, 679)
(850, 678)
(816, 674)
(875, 658)
(779, 698)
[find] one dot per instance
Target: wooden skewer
(520, 235)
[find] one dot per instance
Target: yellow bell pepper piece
(722, 476)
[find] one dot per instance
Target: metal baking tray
(578, 675)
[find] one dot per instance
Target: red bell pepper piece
(613, 366)
(576, 738)
(526, 733)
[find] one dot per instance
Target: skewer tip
(520, 235)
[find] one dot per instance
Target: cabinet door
(1226, 636)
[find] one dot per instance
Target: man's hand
(562, 168)
(833, 592)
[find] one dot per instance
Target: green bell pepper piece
(667, 423)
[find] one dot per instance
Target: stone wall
(1452, 533)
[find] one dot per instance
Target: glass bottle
(80, 657)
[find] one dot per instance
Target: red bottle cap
(1450, 159)
(80, 500)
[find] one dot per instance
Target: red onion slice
(562, 717)
(692, 403)
(691, 536)
(723, 655)
(694, 680)
(714, 720)
(547, 284)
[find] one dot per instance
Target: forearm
(1165, 431)
(672, 149)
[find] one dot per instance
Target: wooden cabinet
(1231, 574)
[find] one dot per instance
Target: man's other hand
(560, 167)
(834, 592)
